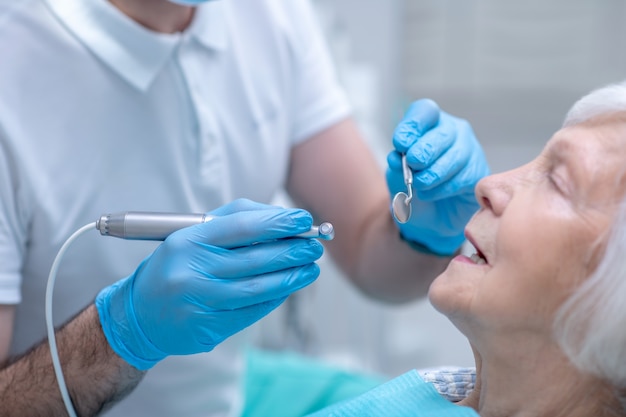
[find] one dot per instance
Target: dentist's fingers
(257, 259)
(243, 228)
(422, 116)
(236, 294)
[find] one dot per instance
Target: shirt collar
(135, 53)
(209, 26)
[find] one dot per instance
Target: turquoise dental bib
(405, 396)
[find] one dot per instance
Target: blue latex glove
(206, 282)
(447, 162)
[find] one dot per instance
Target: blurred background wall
(511, 68)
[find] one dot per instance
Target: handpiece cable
(56, 363)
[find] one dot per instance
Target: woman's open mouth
(478, 258)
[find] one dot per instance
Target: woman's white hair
(590, 326)
(603, 101)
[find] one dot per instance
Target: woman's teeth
(477, 259)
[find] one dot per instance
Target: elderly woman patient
(543, 299)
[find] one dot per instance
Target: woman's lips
(477, 257)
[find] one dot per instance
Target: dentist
(151, 105)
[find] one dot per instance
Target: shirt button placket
(205, 125)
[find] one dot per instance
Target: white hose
(56, 363)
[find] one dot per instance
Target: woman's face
(539, 232)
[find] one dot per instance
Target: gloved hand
(447, 161)
(206, 282)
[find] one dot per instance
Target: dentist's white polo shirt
(98, 115)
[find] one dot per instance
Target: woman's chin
(450, 292)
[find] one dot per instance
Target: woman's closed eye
(557, 178)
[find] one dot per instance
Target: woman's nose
(494, 192)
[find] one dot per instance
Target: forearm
(387, 268)
(96, 377)
(349, 190)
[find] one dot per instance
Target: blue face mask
(190, 2)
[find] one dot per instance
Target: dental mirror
(401, 207)
(401, 204)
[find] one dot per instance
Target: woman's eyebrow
(561, 147)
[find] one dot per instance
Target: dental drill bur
(142, 225)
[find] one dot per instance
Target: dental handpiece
(142, 225)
